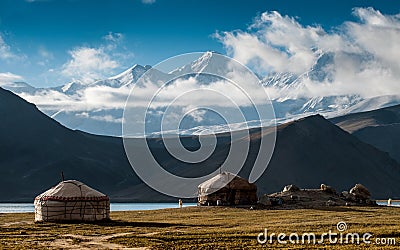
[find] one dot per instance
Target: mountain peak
(208, 61)
(18, 87)
(135, 72)
(130, 75)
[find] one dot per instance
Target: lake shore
(202, 227)
(30, 208)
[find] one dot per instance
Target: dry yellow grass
(201, 228)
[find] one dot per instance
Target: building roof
(71, 190)
(223, 179)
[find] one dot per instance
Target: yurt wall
(227, 189)
(71, 200)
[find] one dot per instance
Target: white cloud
(88, 99)
(45, 56)
(113, 42)
(196, 114)
(6, 53)
(186, 93)
(377, 34)
(88, 64)
(105, 118)
(148, 1)
(8, 77)
(104, 103)
(365, 53)
(279, 43)
(48, 99)
(113, 37)
(44, 53)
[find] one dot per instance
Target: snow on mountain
(323, 69)
(129, 76)
(374, 103)
(210, 61)
(70, 88)
(88, 114)
(204, 130)
(19, 87)
(106, 117)
(289, 83)
(198, 65)
(288, 92)
(279, 80)
(103, 120)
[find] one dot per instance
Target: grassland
(201, 228)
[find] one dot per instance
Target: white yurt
(227, 189)
(72, 200)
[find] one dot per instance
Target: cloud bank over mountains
(364, 53)
(87, 64)
(304, 69)
(9, 78)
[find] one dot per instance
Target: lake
(384, 203)
(28, 207)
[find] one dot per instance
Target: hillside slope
(380, 128)
(35, 149)
(312, 151)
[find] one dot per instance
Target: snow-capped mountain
(78, 106)
(129, 76)
(206, 63)
(70, 88)
(289, 100)
(19, 87)
(101, 120)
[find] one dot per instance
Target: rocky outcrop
(290, 188)
(328, 189)
(264, 200)
(360, 192)
(294, 197)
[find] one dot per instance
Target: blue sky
(42, 41)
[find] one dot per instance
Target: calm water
(384, 203)
(28, 207)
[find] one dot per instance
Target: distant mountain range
(310, 151)
(380, 128)
(69, 104)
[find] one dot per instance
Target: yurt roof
(223, 179)
(72, 190)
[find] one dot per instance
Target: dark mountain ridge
(312, 151)
(35, 149)
(380, 128)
